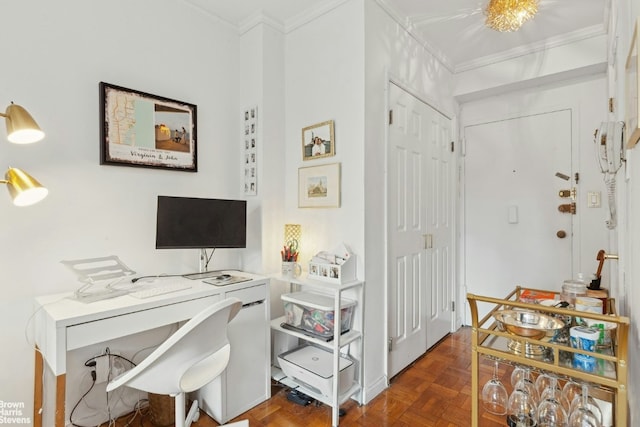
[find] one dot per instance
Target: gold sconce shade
(21, 128)
(23, 188)
(292, 232)
(509, 15)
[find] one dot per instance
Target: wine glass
(551, 391)
(570, 390)
(521, 409)
(550, 412)
(544, 380)
(494, 394)
(587, 406)
(518, 373)
(582, 414)
(526, 384)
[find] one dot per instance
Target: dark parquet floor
(434, 391)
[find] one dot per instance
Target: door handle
(428, 241)
(568, 208)
(561, 234)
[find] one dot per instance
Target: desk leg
(61, 384)
(37, 389)
(38, 393)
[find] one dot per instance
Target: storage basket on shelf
(314, 313)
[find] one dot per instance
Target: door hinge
(390, 117)
(453, 306)
(452, 146)
(390, 345)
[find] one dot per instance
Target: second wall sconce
(22, 129)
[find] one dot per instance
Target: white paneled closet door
(419, 203)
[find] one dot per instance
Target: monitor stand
(202, 275)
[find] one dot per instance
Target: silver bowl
(529, 324)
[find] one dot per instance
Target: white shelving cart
(349, 343)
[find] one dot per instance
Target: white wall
(623, 19)
(55, 56)
(390, 52)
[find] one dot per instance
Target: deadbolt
(561, 234)
(568, 193)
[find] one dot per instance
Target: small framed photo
(318, 141)
(319, 186)
(140, 129)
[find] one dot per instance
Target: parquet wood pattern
(435, 391)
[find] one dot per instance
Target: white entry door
(515, 233)
(419, 236)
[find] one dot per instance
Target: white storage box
(333, 273)
(314, 313)
(312, 367)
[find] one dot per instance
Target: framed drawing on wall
(144, 130)
(319, 186)
(632, 115)
(318, 141)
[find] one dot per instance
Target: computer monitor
(197, 223)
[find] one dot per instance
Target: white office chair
(190, 358)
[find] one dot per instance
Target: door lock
(568, 193)
(568, 208)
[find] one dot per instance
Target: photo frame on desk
(144, 130)
(319, 186)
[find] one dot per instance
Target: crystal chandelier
(509, 15)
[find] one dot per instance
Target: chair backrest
(190, 358)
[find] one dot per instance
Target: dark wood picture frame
(144, 130)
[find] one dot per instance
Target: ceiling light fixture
(509, 15)
(24, 189)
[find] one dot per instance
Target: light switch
(513, 214)
(593, 199)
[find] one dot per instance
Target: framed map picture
(140, 129)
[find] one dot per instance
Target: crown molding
(410, 29)
(568, 38)
(260, 18)
(311, 14)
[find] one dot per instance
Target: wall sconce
(22, 129)
(23, 188)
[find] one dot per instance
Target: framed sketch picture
(319, 186)
(140, 129)
(318, 141)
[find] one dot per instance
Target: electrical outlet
(102, 369)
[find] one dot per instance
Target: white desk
(63, 324)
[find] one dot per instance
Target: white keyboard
(166, 288)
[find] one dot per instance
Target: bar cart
(490, 339)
